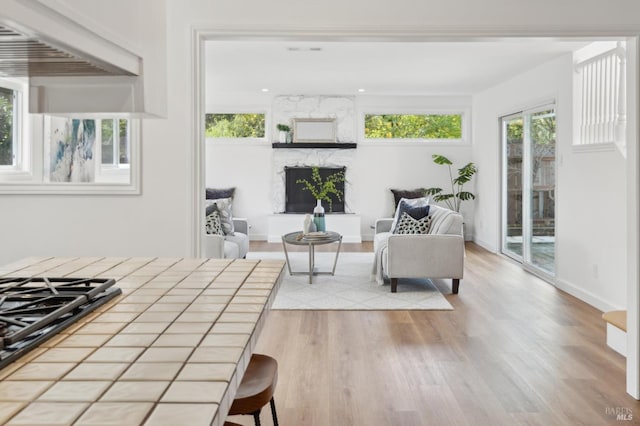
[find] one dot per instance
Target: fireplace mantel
(315, 145)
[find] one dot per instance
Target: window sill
(414, 142)
(68, 189)
(238, 141)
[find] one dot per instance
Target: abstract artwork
(71, 150)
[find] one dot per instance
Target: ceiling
(243, 68)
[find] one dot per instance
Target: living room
(597, 213)
(299, 85)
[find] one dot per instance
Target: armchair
(228, 246)
(438, 254)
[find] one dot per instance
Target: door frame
(527, 230)
(195, 149)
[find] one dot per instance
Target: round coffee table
(300, 239)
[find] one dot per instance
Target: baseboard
(586, 296)
(258, 237)
(485, 245)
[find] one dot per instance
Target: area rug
(351, 288)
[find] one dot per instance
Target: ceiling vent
(24, 56)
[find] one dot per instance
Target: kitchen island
(170, 350)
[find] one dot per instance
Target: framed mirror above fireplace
(314, 130)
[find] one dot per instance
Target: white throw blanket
(376, 272)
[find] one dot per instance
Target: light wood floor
(513, 351)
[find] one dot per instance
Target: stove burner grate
(34, 309)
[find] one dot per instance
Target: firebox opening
(298, 200)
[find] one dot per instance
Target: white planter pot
(282, 137)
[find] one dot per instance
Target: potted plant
(321, 189)
(284, 132)
(457, 194)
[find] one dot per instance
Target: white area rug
(351, 288)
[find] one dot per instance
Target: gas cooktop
(34, 309)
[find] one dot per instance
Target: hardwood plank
(515, 350)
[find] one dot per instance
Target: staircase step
(616, 318)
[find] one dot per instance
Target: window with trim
(114, 142)
(73, 155)
(421, 127)
(235, 125)
(11, 122)
(87, 150)
(7, 128)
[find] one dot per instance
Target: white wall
(158, 221)
(591, 187)
(372, 169)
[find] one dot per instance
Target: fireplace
(298, 200)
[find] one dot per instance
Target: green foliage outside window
(107, 126)
(413, 126)
(234, 125)
(6, 127)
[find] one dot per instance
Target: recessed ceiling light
(304, 49)
(264, 90)
(361, 90)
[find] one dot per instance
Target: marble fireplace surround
(308, 158)
(340, 108)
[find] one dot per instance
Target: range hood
(23, 55)
(76, 66)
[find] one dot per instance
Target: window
(72, 146)
(235, 125)
(42, 154)
(445, 127)
(114, 141)
(12, 112)
(7, 128)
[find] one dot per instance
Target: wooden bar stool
(257, 388)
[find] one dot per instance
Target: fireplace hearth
(298, 200)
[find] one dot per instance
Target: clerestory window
(235, 125)
(442, 127)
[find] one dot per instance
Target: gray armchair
(438, 254)
(228, 246)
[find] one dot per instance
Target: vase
(306, 227)
(282, 137)
(318, 216)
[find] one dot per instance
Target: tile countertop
(170, 350)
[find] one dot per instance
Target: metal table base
(293, 238)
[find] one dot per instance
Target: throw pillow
(412, 203)
(213, 225)
(399, 194)
(215, 194)
(416, 212)
(409, 225)
(223, 207)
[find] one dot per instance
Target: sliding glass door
(529, 183)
